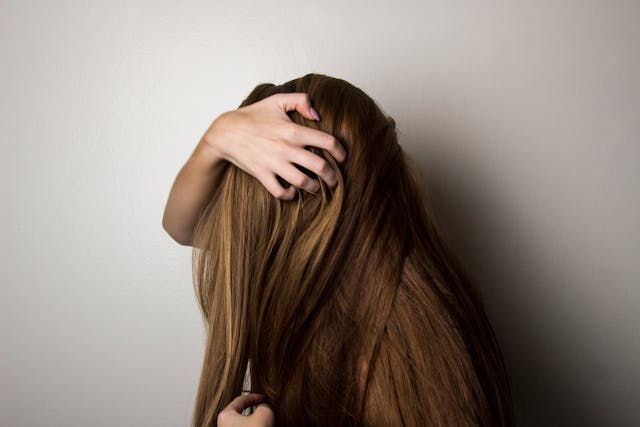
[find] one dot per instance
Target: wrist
(212, 138)
(208, 153)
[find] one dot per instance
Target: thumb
(298, 101)
(264, 414)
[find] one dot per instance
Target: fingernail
(314, 113)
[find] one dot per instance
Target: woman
(343, 300)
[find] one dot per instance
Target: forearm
(192, 189)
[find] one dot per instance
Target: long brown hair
(347, 304)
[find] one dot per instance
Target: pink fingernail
(314, 113)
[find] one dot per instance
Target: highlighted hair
(347, 304)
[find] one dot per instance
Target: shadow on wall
(525, 295)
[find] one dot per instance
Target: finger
(274, 187)
(315, 164)
(298, 101)
(305, 136)
(244, 401)
(298, 178)
(264, 415)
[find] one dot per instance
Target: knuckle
(280, 146)
(301, 180)
(298, 96)
(279, 192)
(292, 131)
(265, 413)
(222, 417)
(333, 142)
(323, 166)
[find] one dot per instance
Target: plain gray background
(523, 117)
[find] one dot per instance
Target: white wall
(523, 115)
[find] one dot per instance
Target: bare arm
(192, 189)
(263, 141)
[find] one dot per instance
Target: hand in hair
(231, 415)
(261, 139)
